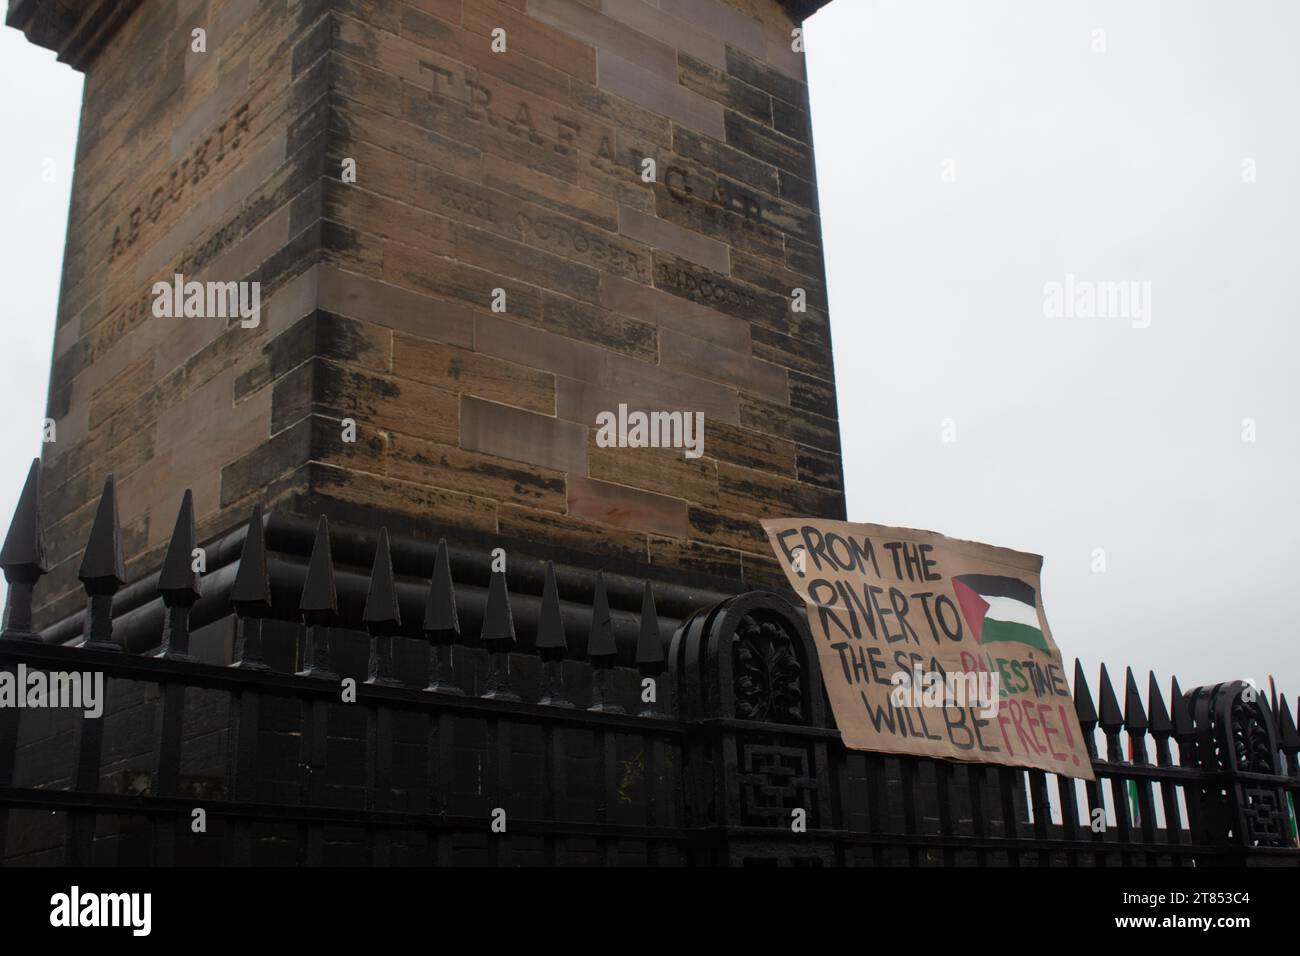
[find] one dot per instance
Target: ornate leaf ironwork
(768, 674)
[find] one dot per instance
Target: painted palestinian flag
(999, 609)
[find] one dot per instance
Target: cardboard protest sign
(933, 646)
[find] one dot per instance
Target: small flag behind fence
(1133, 790)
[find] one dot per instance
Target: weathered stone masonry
(475, 171)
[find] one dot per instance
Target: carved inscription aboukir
(193, 169)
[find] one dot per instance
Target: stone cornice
(74, 29)
(803, 9)
(78, 29)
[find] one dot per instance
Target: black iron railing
(387, 731)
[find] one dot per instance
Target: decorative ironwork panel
(1267, 821)
(768, 675)
(1236, 736)
(773, 781)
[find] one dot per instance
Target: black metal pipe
(139, 614)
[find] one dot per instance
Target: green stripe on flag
(1011, 631)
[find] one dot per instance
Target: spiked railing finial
(552, 643)
(252, 590)
(601, 648)
(178, 578)
(101, 564)
(1135, 716)
(441, 625)
(498, 622)
(602, 652)
(649, 654)
(24, 546)
(1184, 728)
(649, 646)
(1084, 709)
(23, 557)
(320, 599)
(1161, 725)
(1135, 720)
(1083, 705)
(1112, 720)
(319, 605)
(382, 615)
(1162, 728)
(551, 640)
(251, 595)
(178, 582)
(498, 636)
(1111, 717)
(102, 573)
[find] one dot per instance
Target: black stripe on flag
(995, 585)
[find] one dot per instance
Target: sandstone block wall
(475, 171)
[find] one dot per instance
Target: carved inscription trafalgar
(541, 125)
(556, 233)
(216, 146)
(751, 207)
(478, 102)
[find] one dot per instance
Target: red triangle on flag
(973, 607)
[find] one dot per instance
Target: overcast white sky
(1071, 434)
(1075, 434)
(40, 100)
